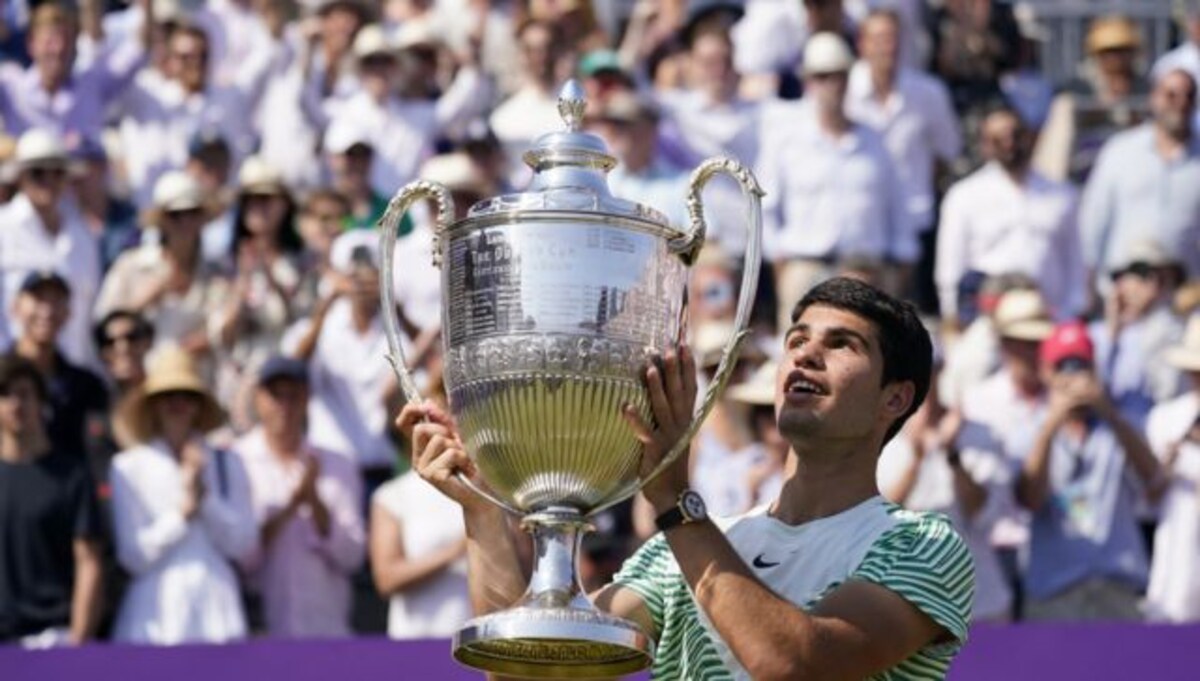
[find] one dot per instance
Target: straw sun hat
(171, 369)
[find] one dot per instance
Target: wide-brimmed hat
(40, 148)
(758, 389)
(175, 191)
(258, 176)
(827, 52)
(169, 369)
(457, 172)
(1113, 32)
(416, 34)
(1021, 314)
(1147, 253)
(1186, 355)
(373, 41)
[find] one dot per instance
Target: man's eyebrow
(834, 331)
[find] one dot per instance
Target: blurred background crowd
(196, 440)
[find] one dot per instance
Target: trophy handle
(389, 224)
(688, 249)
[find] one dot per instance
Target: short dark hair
(140, 326)
(903, 340)
(13, 368)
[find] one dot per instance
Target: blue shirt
(1087, 528)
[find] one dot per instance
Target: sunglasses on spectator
(185, 214)
(1140, 270)
(1072, 365)
(46, 173)
(828, 75)
(195, 56)
(130, 337)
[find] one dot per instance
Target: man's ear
(898, 398)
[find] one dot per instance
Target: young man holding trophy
(829, 580)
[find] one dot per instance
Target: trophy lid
(569, 168)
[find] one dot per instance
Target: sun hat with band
(1021, 314)
(170, 369)
(259, 178)
(40, 148)
(176, 191)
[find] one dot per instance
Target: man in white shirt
(532, 110)
(162, 113)
(1144, 184)
(911, 109)
(42, 230)
(844, 200)
(1005, 217)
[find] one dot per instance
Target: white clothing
(769, 37)
(429, 521)
(401, 134)
(349, 377)
(26, 246)
(918, 125)
(972, 357)
(660, 187)
(1185, 57)
(934, 491)
(993, 225)
(160, 121)
(720, 475)
(184, 588)
(843, 200)
(1174, 591)
(239, 41)
(304, 577)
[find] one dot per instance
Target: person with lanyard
(829, 580)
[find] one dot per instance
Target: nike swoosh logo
(761, 564)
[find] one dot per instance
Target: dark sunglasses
(130, 337)
(45, 174)
(180, 215)
(1072, 365)
(1138, 269)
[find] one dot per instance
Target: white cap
(456, 171)
(40, 147)
(356, 245)
(372, 40)
(827, 52)
(417, 33)
(176, 190)
(1021, 314)
(343, 134)
(258, 176)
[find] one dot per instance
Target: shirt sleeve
(340, 489)
(647, 573)
(142, 539)
(86, 521)
(926, 563)
(951, 251)
(227, 511)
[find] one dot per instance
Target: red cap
(1069, 339)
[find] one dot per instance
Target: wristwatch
(689, 508)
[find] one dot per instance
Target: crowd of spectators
(196, 437)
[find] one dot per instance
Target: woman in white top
(181, 510)
(418, 551)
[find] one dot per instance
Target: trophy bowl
(554, 301)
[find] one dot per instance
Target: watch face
(693, 506)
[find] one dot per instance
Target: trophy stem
(554, 631)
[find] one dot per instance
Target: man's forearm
(493, 564)
(1033, 486)
(85, 598)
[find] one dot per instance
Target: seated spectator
(1086, 558)
(1173, 431)
(1143, 185)
(265, 291)
(1138, 327)
(418, 558)
(1005, 217)
(306, 503)
(182, 512)
(124, 339)
(49, 524)
(44, 231)
(169, 282)
(74, 396)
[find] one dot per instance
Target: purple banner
(1057, 652)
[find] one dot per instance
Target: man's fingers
(688, 370)
(659, 404)
(425, 431)
(674, 381)
(641, 430)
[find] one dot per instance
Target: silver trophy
(554, 300)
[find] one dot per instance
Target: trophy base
(553, 643)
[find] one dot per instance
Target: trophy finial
(571, 104)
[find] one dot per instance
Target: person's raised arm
(85, 596)
(394, 571)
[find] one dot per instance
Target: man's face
(1173, 102)
(124, 349)
(339, 24)
(1137, 288)
(879, 42)
(1006, 140)
(352, 169)
(711, 60)
(1118, 61)
(1021, 358)
(42, 312)
(830, 382)
(44, 185)
(364, 288)
(320, 223)
(378, 74)
(827, 90)
(20, 407)
(538, 53)
(187, 57)
(52, 49)
(281, 405)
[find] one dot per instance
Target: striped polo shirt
(916, 555)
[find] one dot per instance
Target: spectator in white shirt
(1144, 182)
(306, 502)
(182, 512)
(911, 109)
(1006, 217)
(350, 157)
(44, 231)
(844, 201)
(532, 110)
(162, 113)
(1173, 431)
